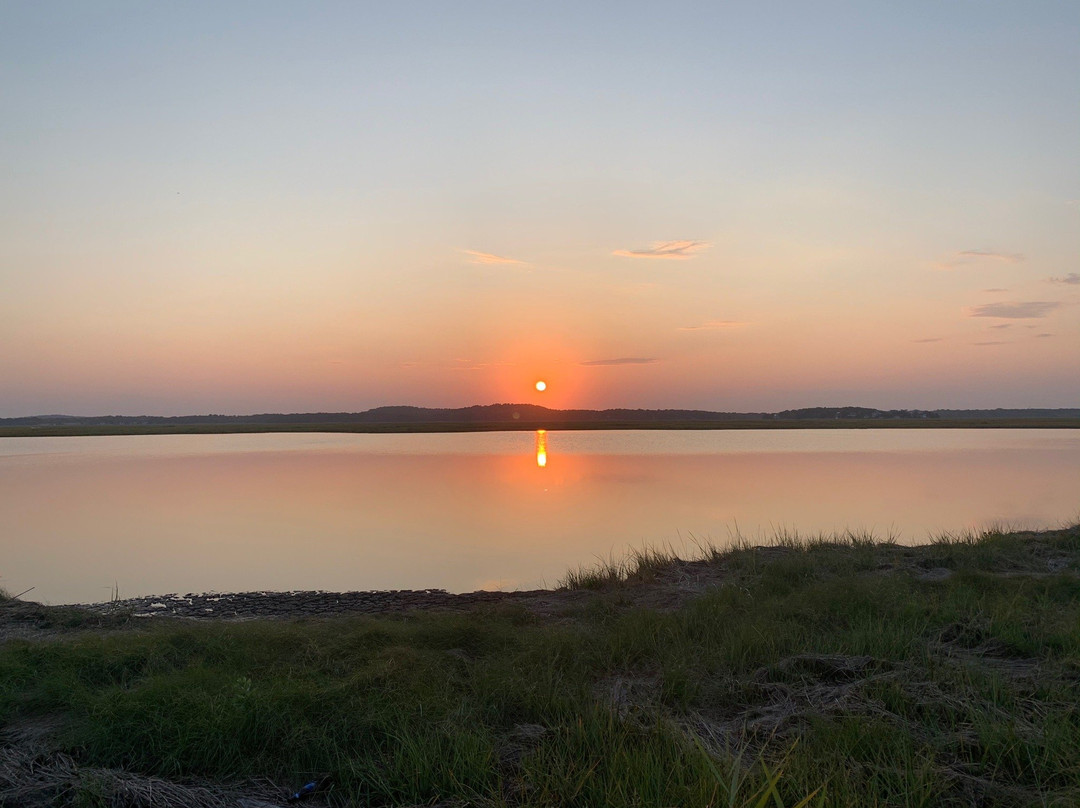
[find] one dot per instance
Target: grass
(639, 566)
(832, 670)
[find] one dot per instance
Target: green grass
(826, 669)
(639, 566)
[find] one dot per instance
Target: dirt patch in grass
(42, 779)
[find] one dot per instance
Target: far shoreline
(391, 427)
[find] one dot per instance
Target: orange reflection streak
(541, 447)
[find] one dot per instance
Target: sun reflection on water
(541, 447)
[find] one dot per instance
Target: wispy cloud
(1073, 279)
(623, 360)
(1002, 325)
(965, 257)
(679, 250)
(1044, 334)
(472, 364)
(1016, 311)
(928, 339)
(996, 289)
(478, 257)
(1009, 258)
(714, 325)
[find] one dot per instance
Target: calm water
(189, 513)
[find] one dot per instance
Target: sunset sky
(261, 207)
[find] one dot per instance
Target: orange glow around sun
(541, 386)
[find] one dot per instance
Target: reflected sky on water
(183, 513)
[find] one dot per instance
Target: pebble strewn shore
(251, 605)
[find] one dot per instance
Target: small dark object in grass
(308, 789)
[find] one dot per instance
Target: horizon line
(533, 405)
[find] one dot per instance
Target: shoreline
(308, 603)
(873, 670)
(650, 578)
(531, 426)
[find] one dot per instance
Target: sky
(238, 207)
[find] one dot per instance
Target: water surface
(190, 513)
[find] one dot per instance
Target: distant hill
(525, 414)
(487, 413)
(815, 413)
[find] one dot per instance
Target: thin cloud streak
(478, 257)
(714, 325)
(625, 360)
(966, 257)
(671, 250)
(1031, 310)
(471, 364)
(1073, 279)
(928, 339)
(1009, 258)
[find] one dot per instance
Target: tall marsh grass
(641, 565)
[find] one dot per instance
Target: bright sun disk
(541, 386)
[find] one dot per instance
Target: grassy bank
(848, 672)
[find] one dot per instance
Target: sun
(541, 386)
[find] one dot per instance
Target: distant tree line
(524, 413)
(817, 413)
